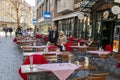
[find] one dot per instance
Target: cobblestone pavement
(10, 59)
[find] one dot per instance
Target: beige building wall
(8, 15)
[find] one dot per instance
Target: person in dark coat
(5, 30)
(53, 35)
(10, 30)
(18, 31)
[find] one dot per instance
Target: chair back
(27, 49)
(100, 76)
(115, 55)
(82, 49)
(50, 57)
(39, 49)
(97, 78)
(65, 56)
(92, 48)
(105, 56)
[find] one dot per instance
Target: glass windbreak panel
(60, 26)
(64, 26)
(68, 26)
(77, 28)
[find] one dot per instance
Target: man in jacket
(53, 35)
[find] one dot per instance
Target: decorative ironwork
(86, 5)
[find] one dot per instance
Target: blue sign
(34, 21)
(47, 15)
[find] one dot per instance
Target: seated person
(88, 42)
(62, 39)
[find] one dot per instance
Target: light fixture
(81, 15)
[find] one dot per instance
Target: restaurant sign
(47, 15)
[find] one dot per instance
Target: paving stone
(10, 59)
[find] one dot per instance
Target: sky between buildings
(31, 2)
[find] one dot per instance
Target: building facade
(83, 18)
(8, 14)
(44, 15)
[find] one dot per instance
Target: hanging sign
(47, 15)
(115, 10)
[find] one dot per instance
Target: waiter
(53, 35)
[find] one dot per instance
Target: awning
(43, 21)
(66, 16)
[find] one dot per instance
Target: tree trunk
(17, 16)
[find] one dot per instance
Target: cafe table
(79, 46)
(99, 52)
(41, 53)
(61, 70)
(43, 46)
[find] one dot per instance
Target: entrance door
(107, 32)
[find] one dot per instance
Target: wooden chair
(65, 56)
(39, 49)
(92, 48)
(82, 51)
(26, 49)
(105, 56)
(97, 78)
(100, 76)
(50, 57)
(106, 59)
(116, 55)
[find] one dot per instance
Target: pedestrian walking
(5, 29)
(18, 31)
(10, 31)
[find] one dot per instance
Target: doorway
(107, 33)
